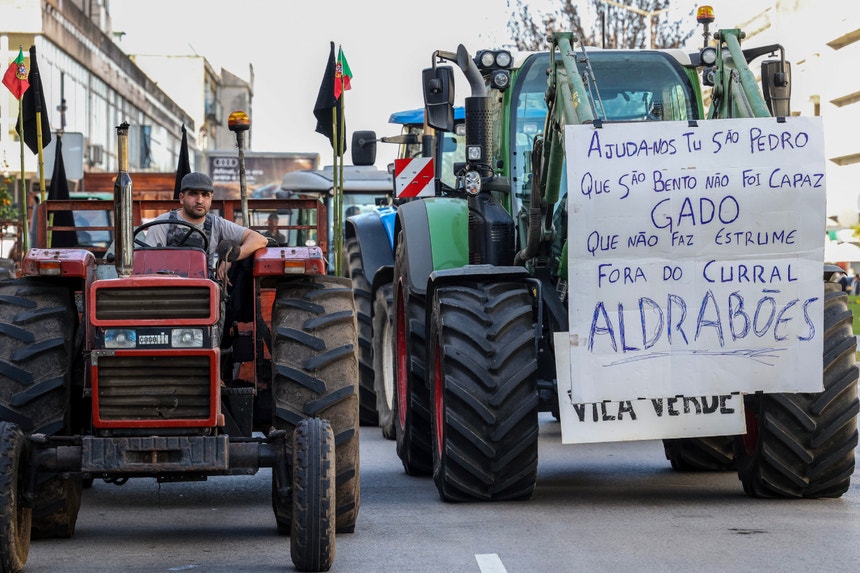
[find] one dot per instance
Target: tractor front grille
(159, 388)
(152, 303)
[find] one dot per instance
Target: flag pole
(338, 213)
(335, 175)
(25, 234)
(41, 153)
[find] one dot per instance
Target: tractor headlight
(473, 152)
(501, 79)
(472, 182)
(120, 338)
(491, 59)
(186, 338)
(708, 56)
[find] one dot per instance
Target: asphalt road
(608, 507)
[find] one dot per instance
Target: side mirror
(438, 86)
(776, 86)
(363, 147)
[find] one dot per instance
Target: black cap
(196, 181)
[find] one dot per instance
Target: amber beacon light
(238, 121)
(705, 15)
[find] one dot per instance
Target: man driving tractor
(195, 195)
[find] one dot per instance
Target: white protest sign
(695, 258)
(647, 419)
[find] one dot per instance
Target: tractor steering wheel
(191, 229)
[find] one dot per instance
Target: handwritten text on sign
(695, 257)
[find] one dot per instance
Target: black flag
(326, 102)
(33, 103)
(59, 190)
(183, 168)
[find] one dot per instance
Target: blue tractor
(369, 245)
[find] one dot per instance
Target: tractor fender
(436, 234)
(387, 216)
(480, 273)
(384, 275)
(374, 236)
(65, 263)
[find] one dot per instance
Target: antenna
(591, 82)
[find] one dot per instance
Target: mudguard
(374, 232)
(436, 231)
(65, 263)
(485, 273)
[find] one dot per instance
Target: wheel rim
(388, 364)
(401, 361)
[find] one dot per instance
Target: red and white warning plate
(413, 177)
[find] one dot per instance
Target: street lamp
(649, 38)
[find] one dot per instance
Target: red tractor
(137, 375)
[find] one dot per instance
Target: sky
(386, 42)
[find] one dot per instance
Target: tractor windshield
(633, 85)
(528, 114)
(642, 86)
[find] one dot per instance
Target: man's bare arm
(251, 241)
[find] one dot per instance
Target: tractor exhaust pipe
(122, 203)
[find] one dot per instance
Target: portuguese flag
(342, 74)
(15, 77)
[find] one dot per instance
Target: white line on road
(490, 563)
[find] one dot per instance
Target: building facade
(207, 95)
(90, 87)
(822, 44)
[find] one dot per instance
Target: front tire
(15, 518)
(483, 377)
(412, 399)
(367, 398)
(312, 539)
(802, 445)
(315, 373)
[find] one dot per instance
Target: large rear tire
(710, 454)
(15, 518)
(802, 445)
(315, 373)
(412, 399)
(483, 375)
(38, 323)
(363, 302)
(312, 539)
(383, 359)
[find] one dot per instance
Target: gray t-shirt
(156, 236)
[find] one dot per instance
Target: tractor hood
(357, 178)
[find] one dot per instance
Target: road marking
(490, 563)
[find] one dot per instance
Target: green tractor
(525, 296)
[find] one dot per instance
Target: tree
(599, 23)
